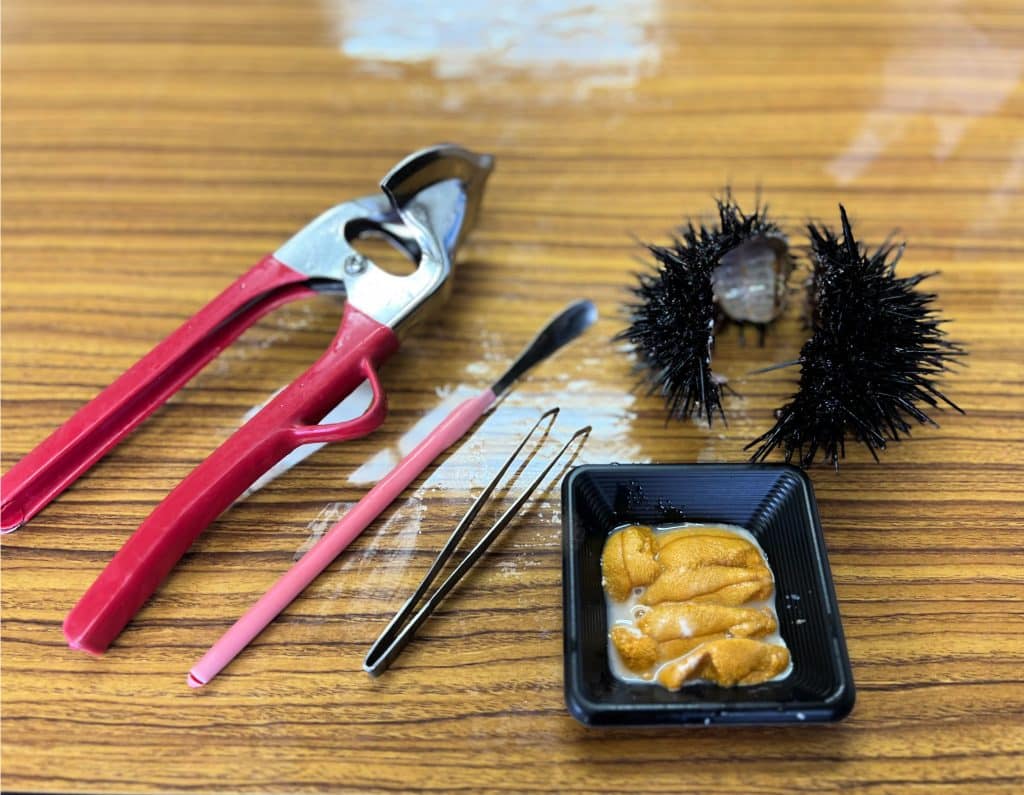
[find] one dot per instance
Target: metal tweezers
(401, 629)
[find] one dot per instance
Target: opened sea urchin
(735, 270)
(871, 365)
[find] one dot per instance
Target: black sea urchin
(873, 357)
(672, 322)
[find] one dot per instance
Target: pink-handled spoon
(560, 330)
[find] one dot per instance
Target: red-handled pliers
(427, 204)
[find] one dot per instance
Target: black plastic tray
(776, 504)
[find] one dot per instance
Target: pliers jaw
(427, 205)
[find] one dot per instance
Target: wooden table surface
(153, 151)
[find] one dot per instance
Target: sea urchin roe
(728, 662)
(691, 603)
(628, 561)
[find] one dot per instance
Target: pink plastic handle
(450, 430)
(98, 426)
(286, 422)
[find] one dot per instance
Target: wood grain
(152, 152)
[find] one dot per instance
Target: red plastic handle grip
(286, 422)
(98, 426)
